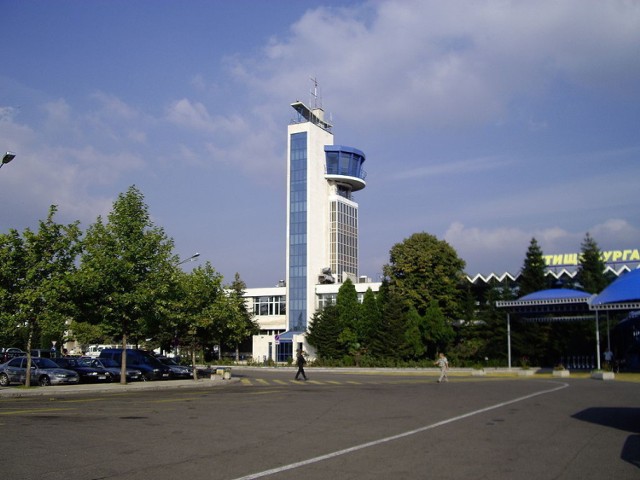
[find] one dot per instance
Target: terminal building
(322, 240)
(322, 236)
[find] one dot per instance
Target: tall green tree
(324, 331)
(437, 332)
(491, 329)
(389, 340)
(126, 265)
(12, 264)
(240, 322)
(370, 319)
(423, 268)
(591, 274)
(201, 310)
(37, 290)
(531, 339)
(532, 275)
(348, 306)
(414, 344)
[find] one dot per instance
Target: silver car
(43, 372)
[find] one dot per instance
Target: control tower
(322, 215)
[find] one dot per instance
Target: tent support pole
(509, 339)
(597, 340)
(608, 334)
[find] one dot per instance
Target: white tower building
(322, 217)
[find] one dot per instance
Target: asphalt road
(262, 424)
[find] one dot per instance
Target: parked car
(133, 374)
(7, 354)
(43, 352)
(177, 370)
(43, 372)
(151, 367)
(87, 374)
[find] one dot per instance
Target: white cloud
(115, 107)
(616, 234)
(502, 249)
(450, 63)
(190, 115)
(468, 166)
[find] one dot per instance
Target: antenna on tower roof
(317, 101)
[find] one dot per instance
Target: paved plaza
(349, 425)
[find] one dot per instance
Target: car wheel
(4, 380)
(44, 381)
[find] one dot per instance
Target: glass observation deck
(344, 166)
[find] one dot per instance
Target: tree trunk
(27, 374)
(193, 362)
(123, 366)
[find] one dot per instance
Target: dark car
(177, 370)
(133, 374)
(151, 367)
(87, 374)
(43, 372)
(7, 354)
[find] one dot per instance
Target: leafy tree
(38, 293)
(85, 333)
(438, 333)
(423, 268)
(414, 344)
(591, 267)
(201, 312)
(12, 265)
(125, 269)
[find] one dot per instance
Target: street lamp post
(175, 341)
(7, 157)
(190, 259)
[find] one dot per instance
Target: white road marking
(373, 443)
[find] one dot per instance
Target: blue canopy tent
(622, 294)
(553, 305)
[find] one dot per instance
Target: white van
(94, 350)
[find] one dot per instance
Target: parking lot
(263, 424)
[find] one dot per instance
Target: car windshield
(44, 363)
(108, 362)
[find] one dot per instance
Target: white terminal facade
(322, 236)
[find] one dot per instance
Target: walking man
(300, 361)
(443, 363)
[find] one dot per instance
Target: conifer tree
(370, 319)
(324, 332)
(591, 275)
(530, 339)
(532, 275)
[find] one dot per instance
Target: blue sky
(484, 123)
